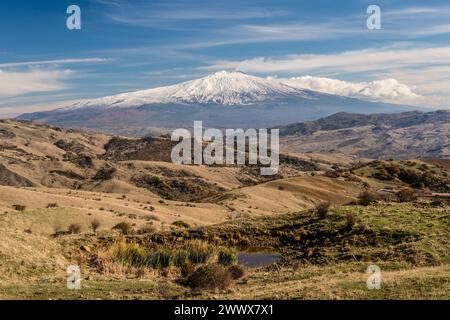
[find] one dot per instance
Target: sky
(127, 45)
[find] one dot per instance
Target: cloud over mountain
(379, 90)
(15, 83)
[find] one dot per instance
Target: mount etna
(222, 100)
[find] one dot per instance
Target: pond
(257, 259)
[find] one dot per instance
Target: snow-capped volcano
(221, 100)
(225, 88)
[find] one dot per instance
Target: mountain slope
(403, 135)
(225, 88)
(224, 100)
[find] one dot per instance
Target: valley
(142, 227)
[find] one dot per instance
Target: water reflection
(257, 259)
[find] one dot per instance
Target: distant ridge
(402, 135)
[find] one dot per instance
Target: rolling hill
(55, 183)
(378, 136)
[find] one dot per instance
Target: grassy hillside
(321, 257)
(142, 227)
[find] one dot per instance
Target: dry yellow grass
(33, 262)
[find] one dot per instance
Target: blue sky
(129, 45)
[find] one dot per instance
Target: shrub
(146, 229)
(227, 257)
(438, 203)
(19, 207)
(136, 255)
(180, 258)
(406, 195)
(419, 180)
(199, 251)
(52, 205)
(350, 220)
(160, 259)
(236, 271)
(387, 197)
(181, 224)
(131, 254)
(332, 174)
(74, 228)
(95, 224)
(105, 173)
(210, 277)
(322, 209)
(366, 198)
(123, 227)
(392, 170)
(383, 174)
(187, 270)
(410, 176)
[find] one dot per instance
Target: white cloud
(14, 83)
(20, 78)
(387, 90)
(431, 30)
(424, 69)
(382, 90)
(47, 62)
(169, 15)
(366, 60)
(417, 12)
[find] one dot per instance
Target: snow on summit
(238, 88)
(232, 88)
(224, 87)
